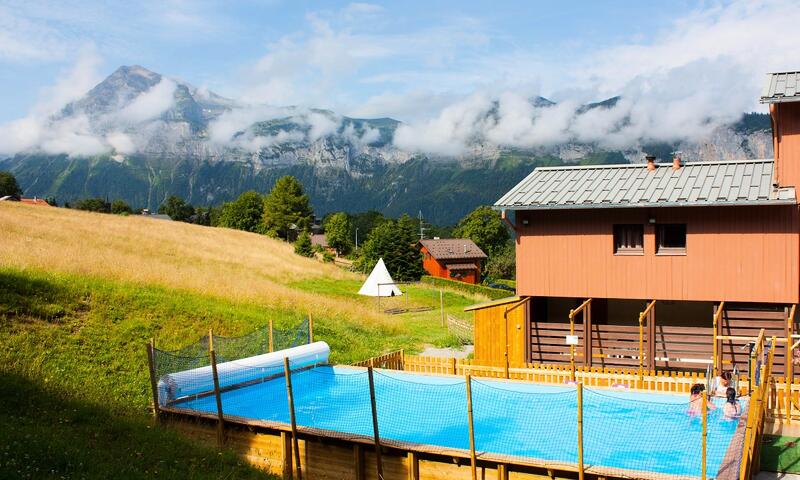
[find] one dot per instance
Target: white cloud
(150, 104)
(121, 142)
(321, 125)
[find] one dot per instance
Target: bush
(120, 207)
(303, 246)
(507, 283)
(492, 293)
(93, 205)
(327, 257)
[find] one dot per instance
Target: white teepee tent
(379, 283)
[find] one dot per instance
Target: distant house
(35, 201)
(319, 239)
(453, 258)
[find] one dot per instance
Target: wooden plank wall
(490, 335)
(747, 321)
(548, 342)
(683, 347)
(321, 458)
(616, 345)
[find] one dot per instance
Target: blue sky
(455, 47)
(426, 63)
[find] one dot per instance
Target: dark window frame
(671, 238)
(628, 239)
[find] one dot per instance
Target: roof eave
(593, 206)
(779, 99)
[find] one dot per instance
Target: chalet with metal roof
(656, 264)
(453, 258)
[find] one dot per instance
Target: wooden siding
(490, 335)
(436, 268)
(745, 254)
(786, 142)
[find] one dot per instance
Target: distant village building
(26, 201)
(693, 247)
(320, 240)
(452, 258)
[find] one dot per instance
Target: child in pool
(732, 408)
(696, 400)
(721, 384)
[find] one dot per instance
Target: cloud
(121, 142)
(150, 104)
(322, 125)
(703, 71)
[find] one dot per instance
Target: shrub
(492, 293)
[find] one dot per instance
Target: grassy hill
(80, 295)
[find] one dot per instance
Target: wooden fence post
(271, 342)
(376, 434)
(218, 396)
(441, 304)
(788, 362)
(579, 392)
(704, 409)
(295, 442)
(151, 361)
(472, 459)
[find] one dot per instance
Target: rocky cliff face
(155, 136)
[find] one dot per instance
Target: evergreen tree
(244, 213)
(176, 208)
(286, 206)
(120, 207)
(302, 246)
(484, 227)
(9, 185)
(338, 231)
(395, 243)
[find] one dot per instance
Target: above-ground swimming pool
(621, 430)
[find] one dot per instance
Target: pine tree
(286, 206)
(303, 245)
(394, 241)
(9, 185)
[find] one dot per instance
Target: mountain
(142, 136)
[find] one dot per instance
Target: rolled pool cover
(198, 380)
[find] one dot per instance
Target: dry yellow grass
(213, 261)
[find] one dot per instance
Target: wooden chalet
(664, 265)
(453, 258)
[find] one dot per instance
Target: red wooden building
(687, 240)
(453, 258)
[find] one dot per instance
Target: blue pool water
(625, 430)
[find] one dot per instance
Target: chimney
(651, 162)
(676, 161)
(465, 248)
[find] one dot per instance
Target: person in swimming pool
(732, 408)
(696, 400)
(721, 384)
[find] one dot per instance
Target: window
(671, 239)
(628, 239)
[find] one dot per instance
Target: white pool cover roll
(198, 380)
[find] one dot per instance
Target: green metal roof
(745, 182)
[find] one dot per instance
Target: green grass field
(74, 387)
(780, 454)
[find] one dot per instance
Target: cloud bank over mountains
(679, 84)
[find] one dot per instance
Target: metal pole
(218, 396)
(310, 328)
(704, 399)
(579, 393)
(473, 460)
(378, 460)
(295, 442)
(151, 361)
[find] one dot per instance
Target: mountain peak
(135, 71)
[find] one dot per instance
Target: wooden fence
(779, 400)
(462, 329)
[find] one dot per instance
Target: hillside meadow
(80, 295)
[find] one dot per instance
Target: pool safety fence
(573, 429)
(197, 355)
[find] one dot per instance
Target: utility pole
(421, 228)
